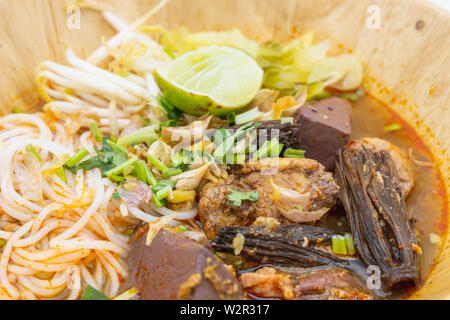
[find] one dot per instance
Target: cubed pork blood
(325, 128)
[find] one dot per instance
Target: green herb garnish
(270, 148)
(98, 136)
(157, 163)
(392, 127)
(237, 196)
(109, 157)
(90, 293)
(354, 96)
(114, 173)
(60, 173)
(169, 110)
(349, 244)
(123, 73)
(17, 110)
(248, 116)
(338, 245)
(116, 196)
(33, 151)
(162, 188)
(293, 153)
(146, 134)
(77, 157)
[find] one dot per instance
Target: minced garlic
(238, 243)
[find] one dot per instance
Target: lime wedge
(214, 79)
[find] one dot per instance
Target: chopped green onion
(172, 172)
(17, 110)
(60, 173)
(270, 148)
(129, 232)
(392, 127)
(33, 151)
(146, 134)
(149, 175)
(239, 158)
(90, 293)
(163, 192)
(98, 136)
(220, 136)
(293, 153)
(169, 52)
(112, 174)
(178, 160)
(287, 120)
(77, 157)
(140, 171)
(156, 202)
(353, 96)
(123, 73)
(127, 295)
(116, 147)
(182, 227)
(299, 208)
(157, 163)
(338, 245)
(152, 122)
(350, 244)
(248, 116)
(228, 143)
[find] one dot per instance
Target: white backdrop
(443, 3)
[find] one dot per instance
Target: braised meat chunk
(324, 284)
(174, 267)
(325, 128)
(384, 235)
(295, 190)
(399, 158)
(283, 245)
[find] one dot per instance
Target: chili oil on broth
(427, 201)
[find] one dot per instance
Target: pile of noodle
(60, 236)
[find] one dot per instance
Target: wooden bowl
(404, 45)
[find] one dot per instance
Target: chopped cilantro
(116, 196)
(236, 196)
(106, 159)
